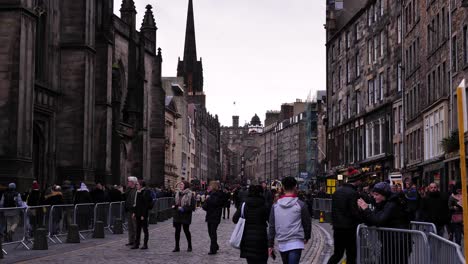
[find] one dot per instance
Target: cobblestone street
(112, 249)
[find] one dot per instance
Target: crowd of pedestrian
(391, 206)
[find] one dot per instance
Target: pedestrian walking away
(184, 205)
(346, 218)
(290, 224)
(254, 243)
(143, 203)
(213, 206)
(130, 199)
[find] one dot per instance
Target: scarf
(183, 198)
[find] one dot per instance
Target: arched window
(41, 47)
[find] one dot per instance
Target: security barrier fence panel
(13, 226)
(84, 218)
(60, 218)
(101, 213)
(36, 217)
(424, 227)
(444, 251)
(391, 246)
(115, 212)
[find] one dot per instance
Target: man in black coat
(140, 214)
(434, 208)
(346, 218)
(214, 209)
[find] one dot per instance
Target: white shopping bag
(236, 236)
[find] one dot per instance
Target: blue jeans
(291, 256)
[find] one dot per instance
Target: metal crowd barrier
(84, 218)
(444, 251)
(391, 246)
(60, 218)
(115, 212)
(13, 226)
(101, 213)
(37, 217)
(425, 227)
(123, 216)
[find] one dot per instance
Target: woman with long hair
(183, 208)
(214, 208)
(254, 243)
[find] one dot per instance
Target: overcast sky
(257, 53)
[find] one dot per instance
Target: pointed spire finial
(148, 19)
(127, 5)
(190, 50)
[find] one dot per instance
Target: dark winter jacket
(434, 208)
(242, 196)
(99, 196)
(34, 198)
(115, 195)
(130, 199)
(185, 216)
(254, 244)
(214, 207)
(389, 213)
(143, 203)
(82, 197)
(67, 193)
(345, 211)
(54, 198)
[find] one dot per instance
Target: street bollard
(40, 239)
(117, 229)
(73, 235)
(98, 229)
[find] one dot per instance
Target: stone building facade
(423, 59)
(363, 56)
(80, 93)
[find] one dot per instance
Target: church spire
(190, 50)
(148, 27)
(128, 13)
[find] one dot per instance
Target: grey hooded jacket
(289, 221)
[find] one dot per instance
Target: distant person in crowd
(130, 200)
(227, 205)
(290, 224)
(254, 244)
(55, 197)
(184, 205)
(115, 195)
(389, 212)
(143, 203)
(34, 196)
(82, 195)
(268, 196)
(35, 215)
(434, 208)
(412, 199)
(242, 195)
(345, 218)
(456, 211)
(214, 207)
(67, 192)
(98, 195)
(11, 198)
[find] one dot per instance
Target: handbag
(457, 218)
(236, 236)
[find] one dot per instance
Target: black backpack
(10, 199)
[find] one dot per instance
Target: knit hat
(12, 186)
(382, 188)
(35, 185)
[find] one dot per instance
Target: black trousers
(139, 225)
(345, 240)
(212, 228)
(228, 209)
(178, 227)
